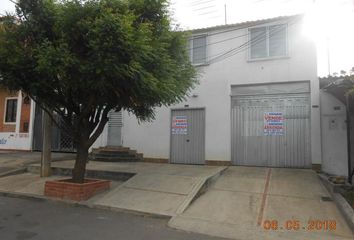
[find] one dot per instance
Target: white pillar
(18, 113)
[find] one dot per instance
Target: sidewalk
(243, 199)
(236, 204)
(13, 160)
(159, 189)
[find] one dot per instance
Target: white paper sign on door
(273, 124)
(179, 125)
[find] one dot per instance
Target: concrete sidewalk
(236, 205)
(160, 189)
(11, 160)
(243, 199)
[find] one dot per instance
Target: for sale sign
(179, 125)
(273, 124)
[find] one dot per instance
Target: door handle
(187, 140)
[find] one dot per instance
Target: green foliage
(82, 58)
(77, 57)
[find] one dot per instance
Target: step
(122, 154)
(95, 151)
(115, 159)
(98, 156)
(119, 149)
(105, 154)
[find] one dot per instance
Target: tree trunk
(85, 139)
(80, 163)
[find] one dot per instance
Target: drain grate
(326, 199)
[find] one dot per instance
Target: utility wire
(227, 39)
(232, 29)
(233, 49)
(242, 47)
(220, 41)
(197, 3)
(204, 8)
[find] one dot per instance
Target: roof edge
(244, 24)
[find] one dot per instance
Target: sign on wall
(273, 124)
(179, 125)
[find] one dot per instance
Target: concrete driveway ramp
(153, 193)
(244, 199)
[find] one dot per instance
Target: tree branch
(96, 118)
(68, 130)
(101, 125)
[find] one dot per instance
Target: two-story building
(257, 102)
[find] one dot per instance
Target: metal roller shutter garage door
(254, 142)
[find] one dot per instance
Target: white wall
(15, 141)
(102, 139)
(213, 92)
(334, 135)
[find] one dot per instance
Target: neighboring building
(334, 135)
(249, 72)
(16, 123)
(337, 124)
(21, 125)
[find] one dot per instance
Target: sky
(330, 23)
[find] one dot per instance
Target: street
(23, 219)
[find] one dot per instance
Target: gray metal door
(271, 130)
(188, 136)
(115, 124)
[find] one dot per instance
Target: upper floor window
(268, 42)
(198, 49)
(11, 110)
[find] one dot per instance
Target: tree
(81, 59)
(343, 72)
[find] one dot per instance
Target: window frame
(268, 57)
(206, 62)
(5, 110)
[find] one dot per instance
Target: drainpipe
(350, 175)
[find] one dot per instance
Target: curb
(121, 210)
(29, 196)
(344, 207)
(101, 174)
(13, 172)
(199, 188)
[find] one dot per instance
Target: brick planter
(65, 189)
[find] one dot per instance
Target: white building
(247, 72)
(257, 104)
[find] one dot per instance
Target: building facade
(16, 124)
(257, 102)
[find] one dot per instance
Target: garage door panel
(250, 145)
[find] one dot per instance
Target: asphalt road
(22, 219)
